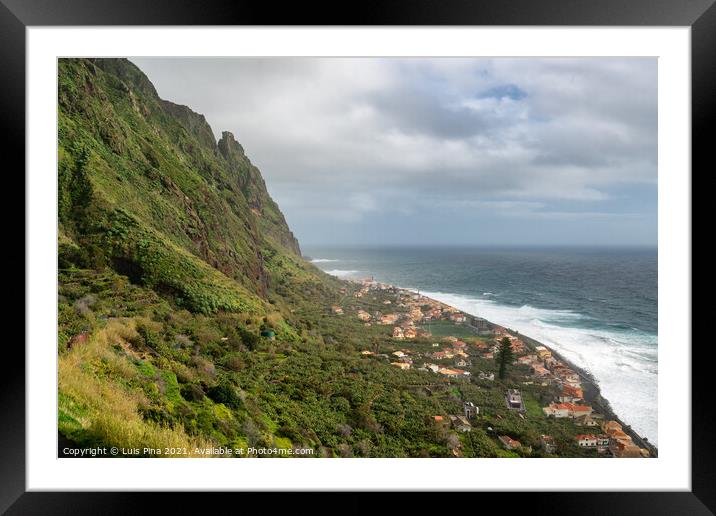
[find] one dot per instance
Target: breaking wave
(342, 273)
(623, 361)
(324, 260)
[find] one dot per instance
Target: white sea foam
(341, 273)
(625, 364)
(324, 260)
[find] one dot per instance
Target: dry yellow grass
(111, 408)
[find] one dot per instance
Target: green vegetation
(505, 356)
(445, 328)
(188, 319)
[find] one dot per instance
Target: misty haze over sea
(596, 306)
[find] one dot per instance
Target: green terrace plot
(448, 328)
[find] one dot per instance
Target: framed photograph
(426, 248)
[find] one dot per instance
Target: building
(458, 318)
(433, 367)
(547, 444)
(389, 319)
(514, 400)
(398, 333)
(581, 410)
(558, 410)
(410, 333)
(416, 313)
(590, 420)
(401, 365)
(586, 440)
(625, 450)
(602, 443)
(561, 410)
(509, 443)
(337, 310)
(471, 410)
(539, 371)
(453, 373)
(460, 423)
(543, 352)
(611, 426)
(571, 394)
(363, 315)
(527, 360)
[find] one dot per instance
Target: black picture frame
(17, 15)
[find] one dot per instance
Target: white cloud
(360, 133)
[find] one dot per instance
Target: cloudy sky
(440, 151)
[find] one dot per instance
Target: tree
(505, 355)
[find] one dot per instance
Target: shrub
(192, 392)
(224, 392)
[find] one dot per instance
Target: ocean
(596, 306)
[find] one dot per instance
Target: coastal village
(459, 352)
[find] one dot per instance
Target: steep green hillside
(188, 318)
(145, 188)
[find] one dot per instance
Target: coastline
(592, 392)
(591, 389)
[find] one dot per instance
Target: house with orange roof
(527, 359)
(571, 394)
(562, 410)
(580, 410)
(539, 371)
(625, 450)
(453, 373)
(609, 426)
(509, 443)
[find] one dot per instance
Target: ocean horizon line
(482, 246)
